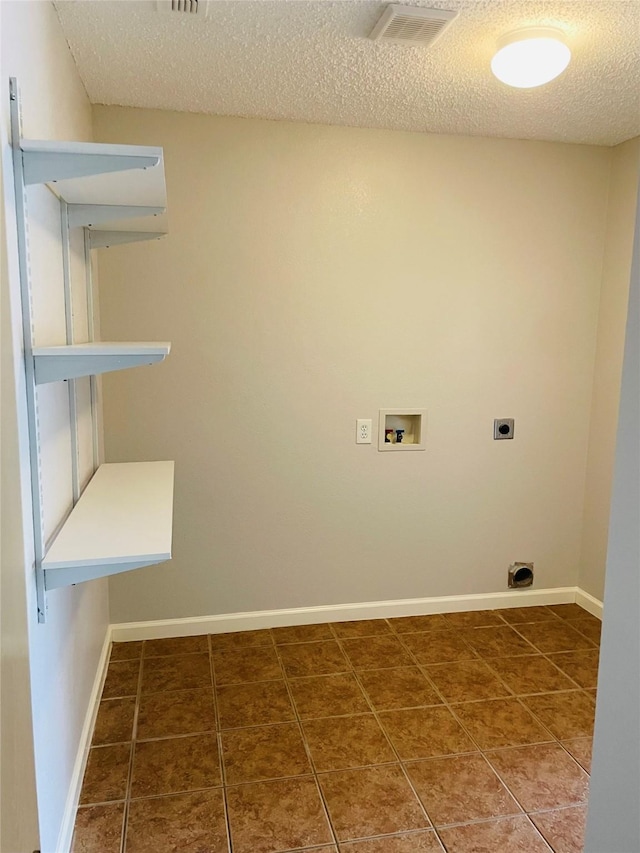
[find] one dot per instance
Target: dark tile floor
(463, 732)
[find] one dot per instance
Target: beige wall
(47, 671)
(314, 275)
(623, 193)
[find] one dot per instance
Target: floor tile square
(566, 715)
(264, 752)
(268, 817)
(563, 829)
(176, 712)
(460, 789)
(581, 749)
(175, 646)
(554, 637)
(122, 679)
(425, 733)
(507, 835)
(405, 687)
(417, 624)
(514, 615)
(497, 642)
(541, 776)
(464, 681)
(241, 640)
(98, 828)
(438, 646)
(126, 651)
(376, 652)
(592, 629)
(321, 658)
(178, 672)
(114, 722)
(106, 775)
(253, 704)
(361, 628)
(181, 822)
(341, 743)
(175, 765)
(500, 722)
(415, 842)
(371, 801)
(581, 666)
(530, 674)
(328, 696)
(302, 633)
(244, 665)
(571, 611)
(473, 619)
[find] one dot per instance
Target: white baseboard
(344, 612)
(589, 602)
(65, 836)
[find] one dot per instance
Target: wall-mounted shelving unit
(108, 188)
(117, 194)
(121, 522)
(54, 364)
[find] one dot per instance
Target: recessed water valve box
(402, 429)
(503, 428)
(520, 575)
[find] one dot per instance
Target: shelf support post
(30, 381)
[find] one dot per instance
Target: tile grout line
(473, 740)
(516, 799)
(520, 746)
(312, 773)
(545, 655)
(352, 671)
(447, 705)
(125, 820)
(305, 743)
(504, 782)
(221, 765)
(388, 738)
(518, 698)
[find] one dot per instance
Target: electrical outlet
(363, 431)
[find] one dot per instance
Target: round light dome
(530, 57)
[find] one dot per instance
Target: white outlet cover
(364, 428)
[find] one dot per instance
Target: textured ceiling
(304, 60)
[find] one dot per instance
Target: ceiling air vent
(190, 7)
(411, 25)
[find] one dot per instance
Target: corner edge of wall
(65, 836)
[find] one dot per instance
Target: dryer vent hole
(520, 575)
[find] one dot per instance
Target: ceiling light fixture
(530, 57)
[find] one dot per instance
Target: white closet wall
(48, 670)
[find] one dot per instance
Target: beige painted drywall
(313, 275)
(47, 671)
(625, 170)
